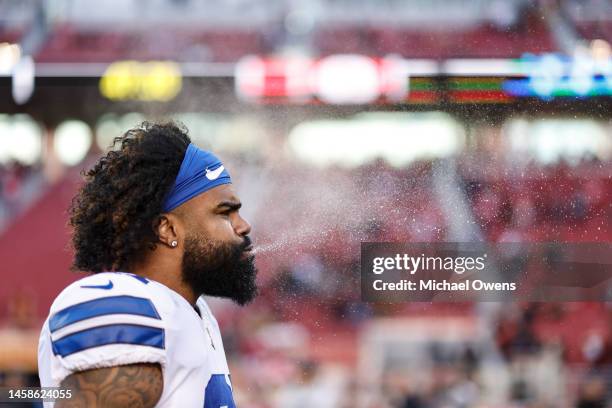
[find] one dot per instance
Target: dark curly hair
(116, 213)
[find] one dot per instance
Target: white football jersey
(116, 318)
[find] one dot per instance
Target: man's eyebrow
(232, 205)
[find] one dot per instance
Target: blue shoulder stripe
(111, 334)
(100, 307)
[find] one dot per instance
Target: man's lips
(248, 252)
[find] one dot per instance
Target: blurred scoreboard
(335, 80)
(358, 79)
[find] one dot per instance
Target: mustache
(246, 243)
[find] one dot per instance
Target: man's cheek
(222, 230)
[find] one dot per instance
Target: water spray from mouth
(310, 237)
(337, 209)
(274, 246)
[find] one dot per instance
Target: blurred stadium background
(341, 121)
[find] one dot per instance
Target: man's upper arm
(134, 385)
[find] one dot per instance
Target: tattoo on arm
(135, 385)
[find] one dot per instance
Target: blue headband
(200, 171)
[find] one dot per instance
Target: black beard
(219, 269)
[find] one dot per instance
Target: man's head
(134, 211)
(216, 249)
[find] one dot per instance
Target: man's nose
(242, 227)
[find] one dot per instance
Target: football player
(157, 223)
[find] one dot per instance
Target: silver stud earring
(173, 244)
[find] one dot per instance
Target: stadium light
(110, 126)
(601, 50)
(71, 141)
(399, 138)
(9, 56)
(5, 136)
(23, 80)
(107, 128)
(342, 79)
(203, 127)
(131, 119)
(144, 81)
(24, 142)
(550, 140)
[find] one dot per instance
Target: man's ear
(169, 230)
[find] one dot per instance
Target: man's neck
(168, 275)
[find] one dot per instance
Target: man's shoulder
(101, 321)
(116, 288)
